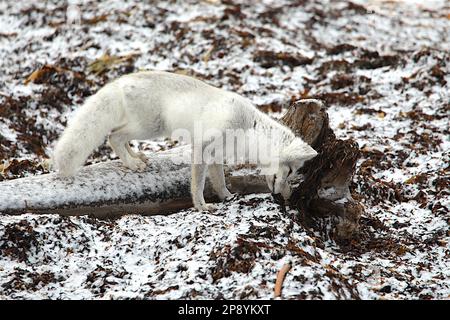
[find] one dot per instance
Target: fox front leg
(217, 177)
(197, 187)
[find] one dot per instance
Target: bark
(324, 190)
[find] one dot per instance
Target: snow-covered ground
(383, 68)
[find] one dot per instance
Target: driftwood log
(110, 189)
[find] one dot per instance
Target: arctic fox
(153, 104)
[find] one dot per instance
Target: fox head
(292, 158)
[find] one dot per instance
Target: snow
(403, 252)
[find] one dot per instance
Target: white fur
(148, 105)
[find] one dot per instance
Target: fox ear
(302, 157)
(298, 150)
(308, 154)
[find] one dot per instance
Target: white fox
(153, 104)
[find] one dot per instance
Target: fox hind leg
(139, 155)
(118, 141)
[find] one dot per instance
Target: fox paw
(142, 156)
(136, 164)
(225, 195)
(206, 207)
(232, 197)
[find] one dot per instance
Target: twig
(281, 275)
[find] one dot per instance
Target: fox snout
(279, 186)
(274, 183)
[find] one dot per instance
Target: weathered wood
(108, 188)
(324, 190)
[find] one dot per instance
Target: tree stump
(324, 190)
